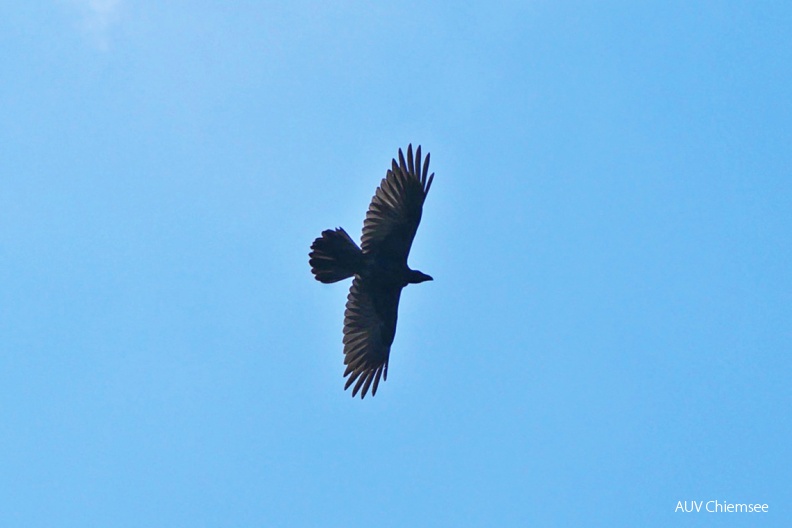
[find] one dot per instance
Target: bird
(379, 267)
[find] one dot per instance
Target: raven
(379, 267)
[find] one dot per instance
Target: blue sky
(608, 331)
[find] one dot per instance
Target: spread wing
(369, 327)
(395, 210)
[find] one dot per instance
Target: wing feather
(369, 328)
(395, 210)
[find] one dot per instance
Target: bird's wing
(369, 327)
(395, 210)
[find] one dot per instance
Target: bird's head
(416, 277)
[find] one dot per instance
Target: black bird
(379, 267)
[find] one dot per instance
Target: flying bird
(379, 267)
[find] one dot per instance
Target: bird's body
(379, 268)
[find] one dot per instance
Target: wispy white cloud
(98, 18)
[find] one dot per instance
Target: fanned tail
(334, 256)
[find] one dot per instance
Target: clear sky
(610, 325)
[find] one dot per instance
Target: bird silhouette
(379, 267)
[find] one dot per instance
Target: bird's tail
(334, 256)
